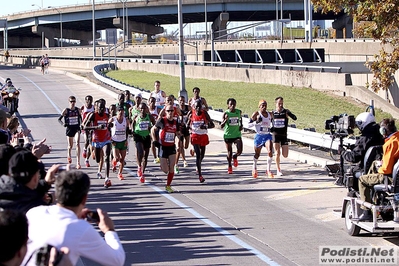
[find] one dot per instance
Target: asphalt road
(229, 220)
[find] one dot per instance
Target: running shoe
(99, 175)
(120, 176)
(279, 173)
(78, 166)
(201, 179)
(235, 162)
(169, 189)
(87, 163)
(191, 152)
(254, 173)
(185, 164)
(139, 172)
(107, 183)
(142, 179)
(156, 160)
(69, 160)
(177, 171)
(113, 165)
(230, 170)
(84, 153)
(269, 174)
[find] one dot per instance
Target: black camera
(43, 256)
(93, 217)
(341, 124)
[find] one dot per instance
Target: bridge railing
(313, 139)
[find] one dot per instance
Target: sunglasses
(72, 101)
(169, 110)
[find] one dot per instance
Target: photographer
(63, 225)
(370, 136)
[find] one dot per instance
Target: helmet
(363, 119)
(8, 80)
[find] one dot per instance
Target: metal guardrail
(294, 134)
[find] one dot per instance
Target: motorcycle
(10, 97)
(385, 205)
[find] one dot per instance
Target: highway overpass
(29, 29)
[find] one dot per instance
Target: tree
(382, 19)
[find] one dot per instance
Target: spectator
(6, 151)
(62, 225)
(4, 134)
(22, 189)
(14, 237)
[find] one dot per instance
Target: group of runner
(159, 124)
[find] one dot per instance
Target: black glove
(156, 144)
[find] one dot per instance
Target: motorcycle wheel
(10, 106)
(351, 228)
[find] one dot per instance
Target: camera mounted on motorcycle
(341, 125)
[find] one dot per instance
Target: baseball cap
(3, 116)
(262, 102)
(23, 164)
(138, 95)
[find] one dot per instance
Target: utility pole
(183, 91)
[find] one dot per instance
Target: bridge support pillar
(139, 27)
(51, 33)
(219, 27)
(343, 27)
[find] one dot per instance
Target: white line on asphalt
(235, 239)
(40, 89)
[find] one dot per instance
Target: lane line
(225, 233)
(42, 91)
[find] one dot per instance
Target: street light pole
(183, 91)
(94, 28)
(60, 40)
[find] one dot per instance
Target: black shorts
(71, 131)
(231, 140)
(145, 140)
(184, 131)
(166, 151)
(282, 139)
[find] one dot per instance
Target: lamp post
(94, 28)
(183, 91)
(60, 22)
(40, 7)
(123, 21)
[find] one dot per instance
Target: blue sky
(10, 7)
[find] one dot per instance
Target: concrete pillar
(343, 26)
(52, 33)
(219, 26)
(138, 27)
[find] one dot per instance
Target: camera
(92, 216)
(43, 256)
(342, 125)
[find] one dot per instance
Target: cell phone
(21, 142)
(62, 168)
(92, 216)
(43, 256)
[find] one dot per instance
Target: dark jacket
(370, 136)
(19, 197)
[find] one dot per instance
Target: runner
(232, 125)
(198, 121)
(154, 112)
(141, 127)
(119, 125)
(196, 97)
(87, 108)
(184, 140)
(101, 141)
(279, 129)
(72, 121)
(262, 121)
(169, 128)
(158, 94)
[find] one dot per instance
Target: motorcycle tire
(351, 228)
(10, 106)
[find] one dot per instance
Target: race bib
(144, 125)
(279, 123)
(169, 137)
(233, 121)
(73, 121)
